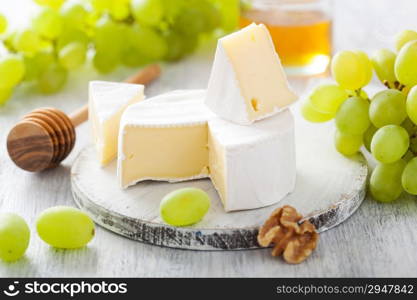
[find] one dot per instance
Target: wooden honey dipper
(45, 136)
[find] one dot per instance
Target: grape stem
(401, 87)
(397, 85)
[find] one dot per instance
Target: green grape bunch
(385, 124)
(64, 34)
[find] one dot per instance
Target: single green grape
(51, 3)
(35, 65)
(5, 94)
(72, 55)
(110, 37)
(390, 143)
(367, 137)
(309, 113)
(73, 13)
(190, 22)
(385, 183)
(388, 107)
(12, 70)
(353, 116)
(347, 144)
(404, 37)
(405, 63)
(3, 24)
(366, 64)
(409, 177)
(352, 70)
(411, 105)
(103, 62)
(383, 61)
(148, 12)
(132, 56)
(65, 227)
(148, 42)
(71, 35)
(52, 79)
(47, 23)
(327, 98)
(14, 237)
(27, 41)
(184, 207)
(120, 10)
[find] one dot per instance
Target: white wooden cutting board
(329, 188)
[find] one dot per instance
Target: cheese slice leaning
(107, 102)
(247, 82)
(252, 166)
(164, 138)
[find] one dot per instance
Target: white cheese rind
(259, 161)
(224, 96)
(109, 97)
(180, 108)
(246, 67)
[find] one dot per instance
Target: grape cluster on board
(63, 34)
(384, 124)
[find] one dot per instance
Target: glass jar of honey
(301, 31)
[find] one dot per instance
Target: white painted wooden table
(379, 240)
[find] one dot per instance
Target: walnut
(292, 240)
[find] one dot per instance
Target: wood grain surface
(378, 240)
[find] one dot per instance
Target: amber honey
(302, 38)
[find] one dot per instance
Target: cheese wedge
(252, 166)
(164, 138)
(107, 101)
(247, 82)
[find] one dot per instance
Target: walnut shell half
(295, 241)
